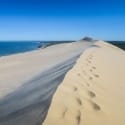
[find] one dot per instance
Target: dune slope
(93, 91)
(29, 80)
(17, 69)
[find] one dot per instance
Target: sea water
(13, 47)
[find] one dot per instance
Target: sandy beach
(93, 91)
(29, 80)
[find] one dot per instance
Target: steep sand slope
(17, 69)
(28, 81)
(93, 91)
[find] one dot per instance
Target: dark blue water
(8, 48)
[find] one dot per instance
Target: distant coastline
(13, 47)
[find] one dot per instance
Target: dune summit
(79, 83)
(93, 91)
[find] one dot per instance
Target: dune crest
(93, 91)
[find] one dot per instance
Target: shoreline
(37, 45)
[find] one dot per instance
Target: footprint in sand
(78, 118)
(90, 70)
(96, 75)
(91, 94)
(89, 61)
(88, 84)
(64, 112)
(90, 78)
(94, 67)
(79, 101)
(95, 106)
(75, 89)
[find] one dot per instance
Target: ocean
(8, 48)
(13, 47)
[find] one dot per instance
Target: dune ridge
(29, 80)
(93, 91)
(17, 69)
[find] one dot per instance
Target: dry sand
(29, 80)
(19, 68)
(93, 91)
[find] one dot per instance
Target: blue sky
(62, 19)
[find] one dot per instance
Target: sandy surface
(93, 91)
(28, 81)
(19, 68)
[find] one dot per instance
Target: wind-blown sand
(19, 68)
(93, 91)
(29, 80)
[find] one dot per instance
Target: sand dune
(29, 80)
(20, 68)
(93, 91)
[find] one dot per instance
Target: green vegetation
(120, 44)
